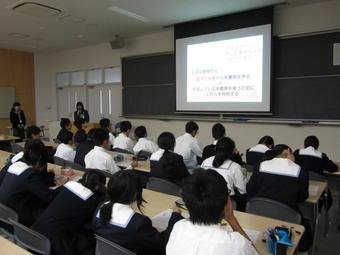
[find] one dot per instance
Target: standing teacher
(18, 120)
(81, 113)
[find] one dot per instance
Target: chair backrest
(106, 247)
(144, 154)
(16, 148)
(30, 239)
(122, 151)
(73, 165)
(272, 209)
(316, 177)
(7, 213)
(59, 161)
(164, 186)
(249, 168)
(56, 141)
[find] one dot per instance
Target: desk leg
(338, 220)
(315, 226)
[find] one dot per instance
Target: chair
(56, 141)
(73, 165)
(106, 247)
(6, 214)
(16, 148)
(144, 154)
(164, 186)
(122, 151)
(59, 161)
(249, 168)
(272, 209)
(30, 239)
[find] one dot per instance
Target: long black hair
(93, 179)
(124, 187)
(82, 106)
(166, 141)
(224, 150)
(35, 154)
(276, 151)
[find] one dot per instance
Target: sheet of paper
(253, 234)
(161, 220)
(313, 190)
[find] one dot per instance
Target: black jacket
(81, 151)
(139, 236)
(15, 119)
(84, 115)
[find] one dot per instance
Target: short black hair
(218, 131)
(166, 141)
(125, 126)
(313, 141)
(191, 126)
(124, 187)
(66, 137)
(35, 153)
(276, 151)
(64, 122)
(90, 134)
(140, 131)
(92, 178)
(267, 140)
(205, 194)
(32, 130)
(80, 136)
(16, 104)
(100, 135)
(80, 104)
(79, 122)
(104, 123)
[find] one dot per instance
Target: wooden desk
(8, 138)
(159, 202)
(321, 188)
(7, 247)
(143, 166)
(4, 155)
(46, 143)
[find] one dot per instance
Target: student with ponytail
(230, 170)
(63, 222)
(280, 179)
(165, 163)
(117, 221)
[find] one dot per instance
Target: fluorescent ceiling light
(129, 14)
(18, 35)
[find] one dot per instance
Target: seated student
(223, 164)
(166, 164)
(63, 222)
(106, 124)
(218, 132)
(313, 160)
(65, 125)
(23, 186)
(123, 141)
(65, 149)
(187, 145)
(118, 222)
(255, 154)
(84, 148)
(98, 158)
(33, 132)
(280, 179)
(143, 144)
(80, 135)
(205, 194)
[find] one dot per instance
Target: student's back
(255, 154)
(84, 148)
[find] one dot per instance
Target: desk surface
(143, 166)
(7, 247)
(4, 138)
(47, 143)
(159, 202)
(321, 188)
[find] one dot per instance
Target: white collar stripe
(280, 166)
(310, 151)
(79, 190)
(18, 168)
(259, 148)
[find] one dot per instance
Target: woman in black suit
(81, 113)
(18, 120)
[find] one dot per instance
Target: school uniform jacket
(81, 151)
(231, 172)
(210, 150)
(80, 135)
(134, 231)
(25, 190)
(15, 120)
(279, 179)
(61, 132)
(255, 154)
(314, 160)
(174, 172)
(73, 207)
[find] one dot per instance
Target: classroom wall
(288, 19)
(17, 70)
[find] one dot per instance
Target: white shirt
(188, 147)
(66, 152)
(111, 139)
(98, 158)
(187, 238)
(261, 148)
(145, 144)
(231, 172)
(123, 142)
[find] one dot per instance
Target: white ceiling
(99, 24)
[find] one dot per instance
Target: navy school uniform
(174, 172)
(134, 231)
(64, 219)
(254, 155)
(25, 190)
(81, 151)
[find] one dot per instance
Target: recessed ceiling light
(18, 35)
(129, 14)
(36, 9)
